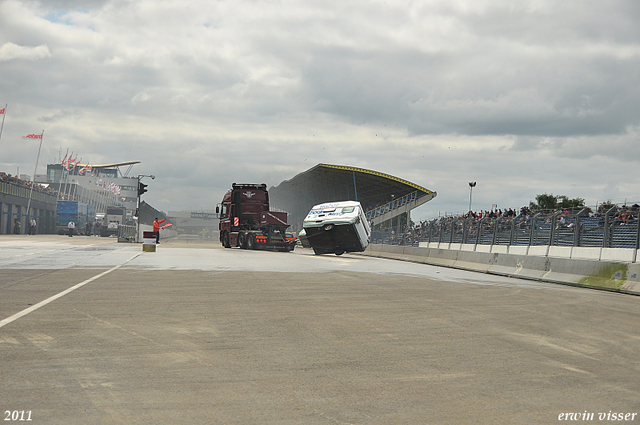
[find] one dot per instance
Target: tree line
(549, 201)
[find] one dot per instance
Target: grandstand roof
(326, 183)
(370, 185)
(117, 164)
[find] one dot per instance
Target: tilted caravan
(336, 227)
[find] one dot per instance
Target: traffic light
(142, 188)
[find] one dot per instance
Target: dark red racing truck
(246, 222)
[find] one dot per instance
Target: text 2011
(17, 415)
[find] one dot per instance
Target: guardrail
(23, 192)
(396, 203)
(126, 233)
(609, 230)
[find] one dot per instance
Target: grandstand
(615, 227)
(387, 200)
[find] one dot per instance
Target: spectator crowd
(487, 220)
(8, 178)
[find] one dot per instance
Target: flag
(167, 225)
(64, 160)
(32, 136)
(67, 162)
(2, 111)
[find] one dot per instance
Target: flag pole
(4, 114)
(33, 179)
(60, 181)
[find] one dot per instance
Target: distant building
(17, 200)
(203, 223)
(97, 185)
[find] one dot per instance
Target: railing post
(465, 230)
(433, 229)
(495, 233)
(635, 252)
(513, 231)
(454, 224)
(577, 236)
(532, 231)
(479, 231)
(554, 221)
(607, 235)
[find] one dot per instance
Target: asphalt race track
(97, 332)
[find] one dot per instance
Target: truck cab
(247, 222)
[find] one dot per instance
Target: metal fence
(126, 233)
(396, 203)
(615, 228)
(24, 192)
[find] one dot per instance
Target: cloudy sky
(527, 97)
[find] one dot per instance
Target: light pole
(471, 186)
(141, 187)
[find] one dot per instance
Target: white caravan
(336, 227)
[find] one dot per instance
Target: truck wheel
(242, 241)
(339, 251)
(225, 240)
(251, 242)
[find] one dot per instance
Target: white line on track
(61, 294)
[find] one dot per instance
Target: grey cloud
(10, 51)
(205, 93)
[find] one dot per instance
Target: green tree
(569, 203)
(548, 201)
(545, 201)
(607, 205)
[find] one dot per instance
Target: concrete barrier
(586, 253)
(499, 249)
(374, 250)
(560, 251)
(441, 257)
(416, 254)
(632, 285)
(556, 267)
(518, 249)
(617, 254)
(538, 250)
(474, 261)
(483, 248)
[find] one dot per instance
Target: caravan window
(348, 209)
